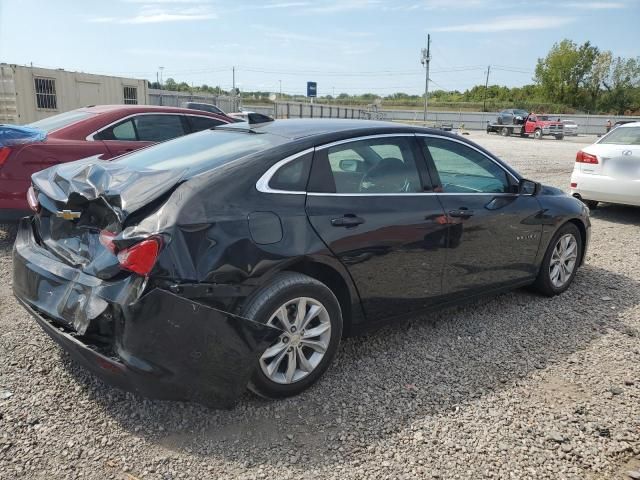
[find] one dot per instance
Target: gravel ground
(516, 386)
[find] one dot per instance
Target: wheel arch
(339, 283)
(583, 236)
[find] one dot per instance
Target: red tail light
(4, 154)
(141, 257)
(584, 157)
(32, 200)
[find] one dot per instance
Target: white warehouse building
(28, 94)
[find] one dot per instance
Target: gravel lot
(516, 386)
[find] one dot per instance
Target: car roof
(629, 123)
(306, 127)
(138, 109)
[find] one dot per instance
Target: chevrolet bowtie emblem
(68, 214)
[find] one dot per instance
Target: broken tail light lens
(141, 257)
(32, 200)
(584, 157)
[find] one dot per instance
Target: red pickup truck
(536, 125)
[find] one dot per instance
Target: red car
(105, 130)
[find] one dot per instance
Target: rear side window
(158, 128)
(293, 176)
(202, 123)
(376, 166)
(124, 131)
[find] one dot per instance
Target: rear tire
(504, 132)
(559, 137)
(281, 299)
(537, 134)
(565, 248)
(592, 204)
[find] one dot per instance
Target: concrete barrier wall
(587, 124)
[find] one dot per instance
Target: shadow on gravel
(623, 214)
(383, 382)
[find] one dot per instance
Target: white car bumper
(606, 189)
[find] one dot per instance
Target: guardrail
(587, 124)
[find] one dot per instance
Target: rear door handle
(348, 220)
(461, 213)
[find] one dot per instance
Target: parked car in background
(570, 128)
(205, 107)
(609, 170)
(622, 122)
(536, 125)
(239, 256)
(512, 116)
(105, 130)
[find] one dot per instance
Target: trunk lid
(615, 161)
(79, 200)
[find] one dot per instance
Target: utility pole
(233, 82)
(280, 97)
(426, 58)
(486, 85)
(161, 88)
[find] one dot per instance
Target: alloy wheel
(563, 260)
(302, 345)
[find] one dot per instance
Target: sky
(351, 46)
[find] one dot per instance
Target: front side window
(464, 170)
(379, 165)
(158, 128)
(46, 93)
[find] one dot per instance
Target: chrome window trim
(90, 138)
(262, 185)
(473, 148)
(413, 194)
(366, 137)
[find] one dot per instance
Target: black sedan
(512, 116)
(240, 256)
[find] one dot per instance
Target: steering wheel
(390, 175)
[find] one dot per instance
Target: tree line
(570, 78)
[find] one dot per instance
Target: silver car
(570, 127)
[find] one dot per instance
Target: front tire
(310, 317)
(592, 204)
(559, 137)
(560, 262)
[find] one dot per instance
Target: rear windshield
(200, 151)
(622, 136)
(62, 120)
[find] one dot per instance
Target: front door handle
(461, 213)
(348, 220)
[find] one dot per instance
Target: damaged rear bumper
(163, 345)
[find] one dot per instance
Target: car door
(368, 200)
(530, 124)
(494, 233)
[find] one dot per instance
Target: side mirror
(349, 165)
(528, 187)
